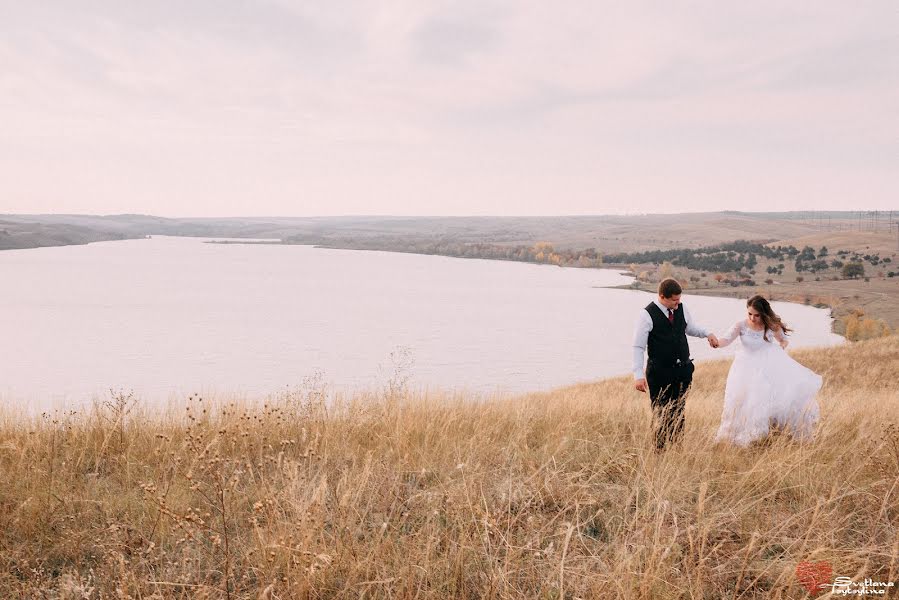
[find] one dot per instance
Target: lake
(168, 317)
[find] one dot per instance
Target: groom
(662, 330)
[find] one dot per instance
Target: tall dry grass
(404, 495)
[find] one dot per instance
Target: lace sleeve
(781, 337)
(732, 334)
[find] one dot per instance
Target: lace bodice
(750, 339)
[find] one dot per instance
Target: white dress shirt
(644, 326)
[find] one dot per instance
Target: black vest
(667, 341)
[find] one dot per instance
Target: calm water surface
(168, 317)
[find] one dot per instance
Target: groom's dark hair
(669, 287)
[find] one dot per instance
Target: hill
(27, 234)
(604, 233)
(403, 494)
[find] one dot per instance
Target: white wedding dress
(765, 387)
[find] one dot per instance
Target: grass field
(400, 495)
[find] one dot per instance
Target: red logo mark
(813, 576)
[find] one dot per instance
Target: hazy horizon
(850, 214)
(298, 109)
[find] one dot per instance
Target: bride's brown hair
(769, 317)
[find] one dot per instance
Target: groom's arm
(696, 330)
(641, 335)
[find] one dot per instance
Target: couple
(764, 384)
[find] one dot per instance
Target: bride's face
(754, 317)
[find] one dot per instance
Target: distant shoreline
(739, 292)
(582, 242)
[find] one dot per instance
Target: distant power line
(875, 221)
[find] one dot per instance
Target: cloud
(434, 107)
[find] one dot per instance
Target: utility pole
(897, 229)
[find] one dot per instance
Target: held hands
(640, 385)
(713, 341)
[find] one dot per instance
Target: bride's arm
(781, 338)
(732, 334)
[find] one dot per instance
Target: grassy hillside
(402, 495)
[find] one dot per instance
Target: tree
(666, 270)
(860, 327)
(853, 270)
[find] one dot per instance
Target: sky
(433, 107)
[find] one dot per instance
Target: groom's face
(673, 302)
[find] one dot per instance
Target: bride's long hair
(769, 317)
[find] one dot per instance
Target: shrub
(860, 327)
(853, 270)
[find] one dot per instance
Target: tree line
(733, 257)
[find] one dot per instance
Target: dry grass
(400, 495)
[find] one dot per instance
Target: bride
(765, 386)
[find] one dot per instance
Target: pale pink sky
(424, 107)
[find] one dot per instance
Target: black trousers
(668, 384)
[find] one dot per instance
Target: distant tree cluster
(723, 258)
(739, 258)
(872, 259)
(541, 252)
